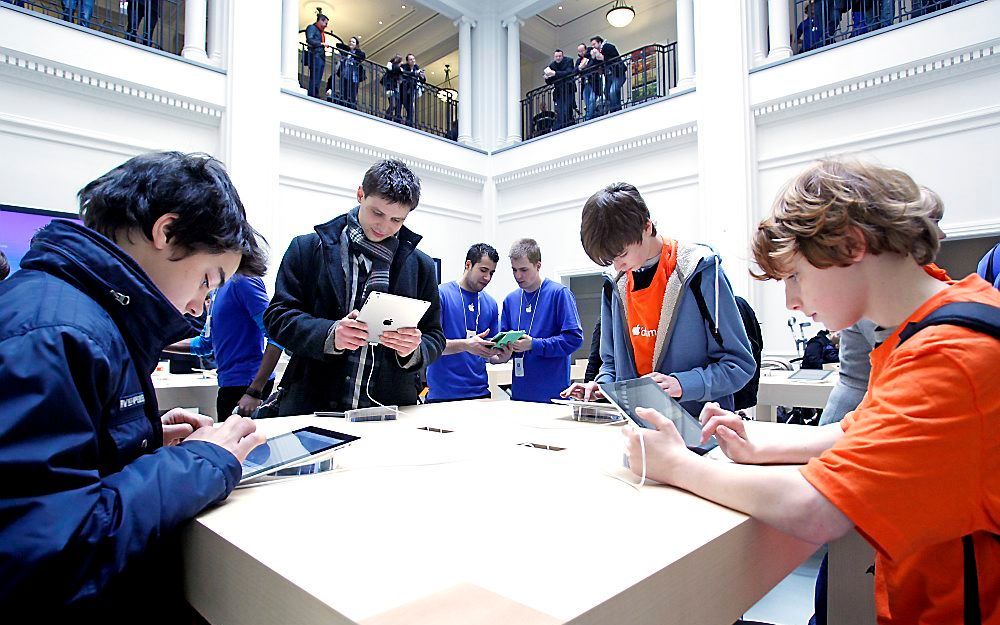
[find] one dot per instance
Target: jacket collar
(692, 258)
(329, 235)
(104, 272)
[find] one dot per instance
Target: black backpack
(984, 319)
(746, 397)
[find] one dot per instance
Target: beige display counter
(500, 512)
(187, 390)
(777, 390)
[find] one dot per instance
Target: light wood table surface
(471, 526)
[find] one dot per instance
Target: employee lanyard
(534, 309)
(474, 328)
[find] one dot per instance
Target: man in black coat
(323, 282)
(316, 53)
(560, 73)
(607, 57)
(590, 79)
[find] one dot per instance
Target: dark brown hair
(613, 218)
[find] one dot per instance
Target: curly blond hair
(820, 213)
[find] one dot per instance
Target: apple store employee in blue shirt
(546, 311)
(469, 317)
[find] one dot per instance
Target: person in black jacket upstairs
(606, 56)
(96, 484)
(323, 282)
(411, 87)
(560, 72)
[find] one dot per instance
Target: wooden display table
(512, 514)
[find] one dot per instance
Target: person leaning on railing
(316, 53)
(411, 87)
(590, 79)
(351, 72)
(607, 57)
(393, 74)
(559, 73)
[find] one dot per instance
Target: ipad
(384, 312)
(627, 395)
(810, 374)
(286, 449)
(505, 338)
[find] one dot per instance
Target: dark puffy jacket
(88, 491)
(310, 295)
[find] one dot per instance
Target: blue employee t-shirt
(236, 333)
(462, 375)
(550, 318)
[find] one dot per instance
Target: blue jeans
(590, 98)
(317, 63)
(613, 91)
(139, 10)
(564, 110)
(409, 98)
(886, 13)
(83, 8)
(348, 95)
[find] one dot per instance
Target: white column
(251, 126)
(290, 45)
(780, 30)
(726, 134)
(216, 30)
(759, 35)
(513, 26)
(685, 44)
(195, 15)
(465, 72)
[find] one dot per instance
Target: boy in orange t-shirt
(917, 466)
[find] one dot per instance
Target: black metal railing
(158, 24)
(819, 23)
(369, 88)
(630, 79)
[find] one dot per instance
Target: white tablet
(292, 448)
(814, 375)
(384, 312)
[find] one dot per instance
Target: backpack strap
(978, 317)
(984, 319)
(699, 297)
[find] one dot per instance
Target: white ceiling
(571, 10)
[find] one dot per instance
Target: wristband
(252, 392)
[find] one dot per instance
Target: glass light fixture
(621, 14)
(446, 92)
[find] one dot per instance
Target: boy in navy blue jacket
(95, 481)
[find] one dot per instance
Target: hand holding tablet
(388, 314)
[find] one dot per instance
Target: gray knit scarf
(379, 253)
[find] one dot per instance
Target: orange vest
(643, 308)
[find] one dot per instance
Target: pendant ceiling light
(620, 14)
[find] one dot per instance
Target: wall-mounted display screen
(18, 225)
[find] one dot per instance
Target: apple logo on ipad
(387, 322)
